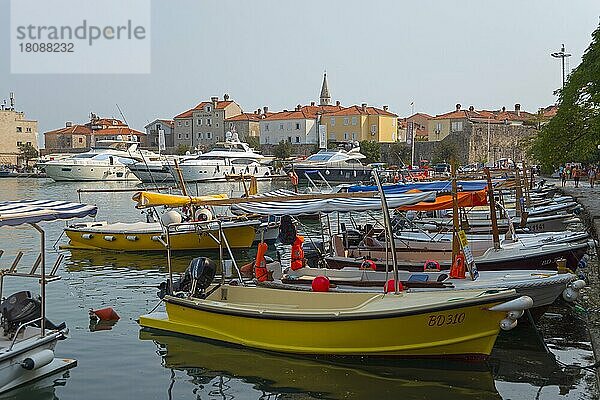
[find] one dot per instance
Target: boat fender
(260, 265)
(104, 314)
(430, 227)
(507, 324)
(458, 267)
(203, 214)
(110, 238)
(38, 360)
(320, 284)
(131, 238)
(368, 264)
(389, 286)
(156, 238)
(521, 303)
(515, 314)
(570, 294)
(578, 284)
(431, 265)
(171, 217)
(87, 236)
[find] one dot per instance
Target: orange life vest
(260, 265)
(297, 253)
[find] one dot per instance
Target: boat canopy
(288, 205)
(465, 199)
(13, 213)
(437, 186)
(152, 199)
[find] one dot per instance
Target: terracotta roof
(71, 130)
(109, 121)
(358, 110)
(495, 116)
(246, 117)
(305, 112)
(164, 121)
(422, 115)
(118, 131)
(220, 105)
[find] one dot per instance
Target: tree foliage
(573, 134)
(182, 149)
(283, 150)
(371, 150)
(399, 153)
(253, 142)
(28, 152)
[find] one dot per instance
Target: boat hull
(221, 173)
(78, 173)
(431, 332)
(87, 238)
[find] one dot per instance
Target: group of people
(578, 172)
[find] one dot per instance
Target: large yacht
(334, 165)
(106, 161)
(226, 160)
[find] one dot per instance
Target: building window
(208, 121)
(290, 139)
(438, 127)
(187, 135)
(178, 123)
(373, 129)
(280, 127)
(157, 127)
(297, 139)
(179, 136)
(199, 121)
(28, 143)
(354, 121)
(208, 135)
(187, 123)
(346, 121)
(231, 125)
(345, 135)
(19, 144)
(332, 121)
(80, 140)
(353, 136)
(207, 108)
(19, 129)
(457, 126)
(27, 129)
(297, 126)
(266, 129)
(200, 135)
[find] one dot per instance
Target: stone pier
(589, 198)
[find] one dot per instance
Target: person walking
(592, 176)
(576, 175)
(563, 178)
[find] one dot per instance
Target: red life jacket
(297, 254)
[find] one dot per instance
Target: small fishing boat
(334, 165)
(28, 338)
(404, 324)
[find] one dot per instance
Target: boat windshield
(85, 155)
(320, 157)
(104, 145)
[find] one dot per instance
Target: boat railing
(21, 327)
(202, 227)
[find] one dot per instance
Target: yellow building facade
(358, 123)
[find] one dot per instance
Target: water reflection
(44, 389)
(209, 369)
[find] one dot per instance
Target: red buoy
(320, 284)
(368, 264)
(105, 314)
(389, 286)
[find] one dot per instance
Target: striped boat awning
(14, 213)
(328, 205)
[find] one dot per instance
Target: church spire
(325, 97)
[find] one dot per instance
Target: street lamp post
(562, 55)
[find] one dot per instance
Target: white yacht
(226, 160)
(334, 165)
(106, 161)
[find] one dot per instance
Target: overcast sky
(268, 52)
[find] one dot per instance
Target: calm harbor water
(122, 362)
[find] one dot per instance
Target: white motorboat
(228, 159)
(107, 161)
(27, 338)
(334, 165)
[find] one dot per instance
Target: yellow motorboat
(150, 236)
(433, 324)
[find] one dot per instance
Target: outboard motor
(18, 309)
(197, 277)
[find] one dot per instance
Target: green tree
(182, 149)
(573, 134)
(371, 150)
(28, 152)
(399, 153)
(253, 142)
(445, 151)
(283, 150)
